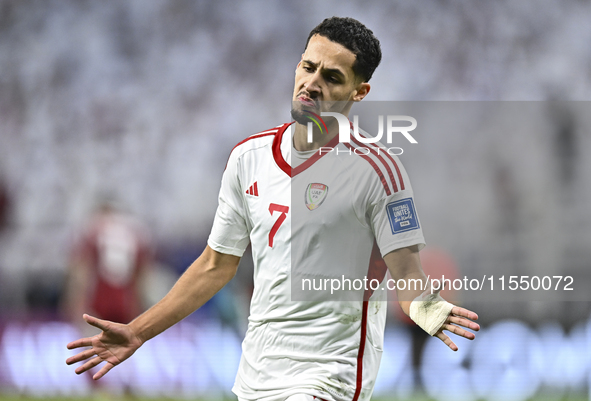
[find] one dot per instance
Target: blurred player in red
(107, 262)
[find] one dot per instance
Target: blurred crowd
(145, 100)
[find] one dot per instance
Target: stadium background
(145, 100)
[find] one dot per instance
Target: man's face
(324, 79)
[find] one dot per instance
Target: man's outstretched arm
(404, 264)
(117, 342)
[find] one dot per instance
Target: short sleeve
(230, 233)
(395, 219)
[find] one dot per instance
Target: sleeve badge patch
(402, 216)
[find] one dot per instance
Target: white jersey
(326, 214)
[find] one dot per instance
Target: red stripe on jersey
(248, 139)
(359, 381)
(256, 189)
(281, 163)
(375, 167)
(395, 166)
(376, 270)
(397, 172)
(380, 158)
(254, 137)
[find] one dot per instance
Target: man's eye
(308, 69)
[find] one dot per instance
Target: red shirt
(116, 249)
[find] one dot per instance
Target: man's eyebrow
(335, 71)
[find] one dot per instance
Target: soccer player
(107, 263)
(305, 349)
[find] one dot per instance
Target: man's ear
(361, 91)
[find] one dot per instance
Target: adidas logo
(253, 190)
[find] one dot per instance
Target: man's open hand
(116, 343)
(458, 317)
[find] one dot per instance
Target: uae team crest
(315, 195)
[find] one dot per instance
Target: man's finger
(458, 331)
(463, 322)
(80, 356)
(83, 342)
(98, 323)
(104, 370)
(446, 340)
(458, 311)
(88, 365)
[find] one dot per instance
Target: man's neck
(319, 139)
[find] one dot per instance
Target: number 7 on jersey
(273, 207)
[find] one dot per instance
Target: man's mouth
(306, 101)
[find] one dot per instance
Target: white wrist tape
(430, 311)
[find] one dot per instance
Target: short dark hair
(356, 37)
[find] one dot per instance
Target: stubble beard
(298, 115)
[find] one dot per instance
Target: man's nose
(313, 84)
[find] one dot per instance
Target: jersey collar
(283, 165)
